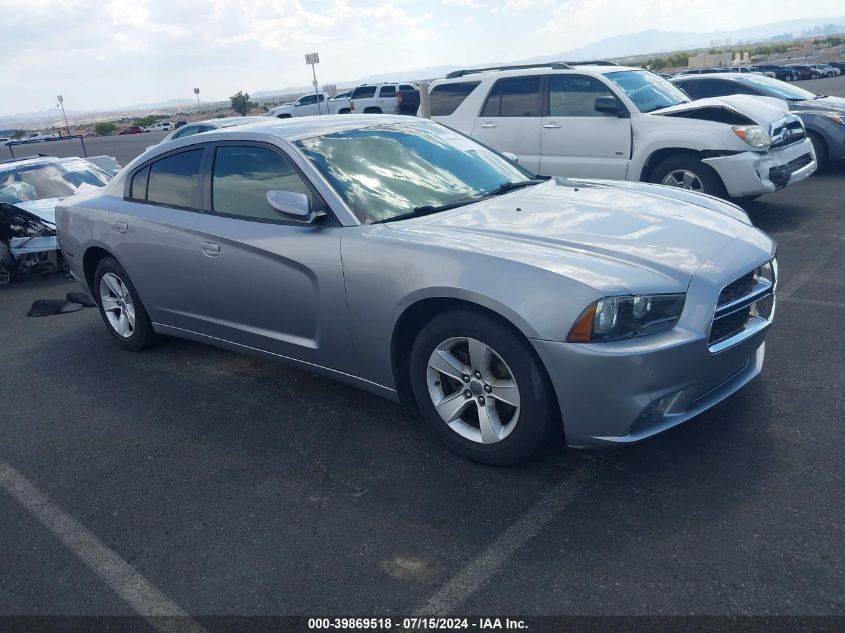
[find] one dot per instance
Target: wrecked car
(30, 188)
(620, 123)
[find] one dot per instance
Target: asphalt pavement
(231, 486)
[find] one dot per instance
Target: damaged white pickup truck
(606, 121)
(30, 188)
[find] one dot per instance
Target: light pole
(61, 104)
(197, 92)
(313, 59)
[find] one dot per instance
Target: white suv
(377, 98)
(161, 126)
(621, 123)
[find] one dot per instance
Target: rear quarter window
(364, 92)
(445, 98)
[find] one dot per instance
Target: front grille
(745, 306)
(786, 131)
(799, 163)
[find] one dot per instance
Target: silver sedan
(399, 256)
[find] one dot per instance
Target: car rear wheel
(121, 308)
(481, 387)
(686, 171)
(372, 110)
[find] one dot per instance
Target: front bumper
(754, 173)
(625, 391)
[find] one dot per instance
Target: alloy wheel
(117, 304)
(473, 390)
(684, 179)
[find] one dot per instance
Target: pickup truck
(384, 99)
(312, 104)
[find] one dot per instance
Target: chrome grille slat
(743, 308)
(786, 131)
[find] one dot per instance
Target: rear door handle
(121, 227)
(488, 125)
(210, 248)
(551, 126)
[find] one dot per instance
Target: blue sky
(107, 53)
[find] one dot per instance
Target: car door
(575, 139)
(273, 284)
(156, 235)
(306, 106)
(387, 98)
(510, 119)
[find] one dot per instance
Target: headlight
(754, 135)
(615, 318)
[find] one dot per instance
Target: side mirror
(610, 106)
(292, 204)
(510, 156)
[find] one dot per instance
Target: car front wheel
(121, 308)
(686, 171)
(482, 388)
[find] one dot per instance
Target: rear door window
(174, 180)
(387, 91)
(514, 97)
(445, 98)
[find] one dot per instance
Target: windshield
(774, 88)
(387, 171)
(648, 91)
(48, 180)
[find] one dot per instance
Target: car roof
(229, 121)
(579, 69)
(37, 160)
(709, 76)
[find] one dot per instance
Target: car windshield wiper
(427, 210)
(510, 186)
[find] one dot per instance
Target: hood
(591, 228)
(44, 209)
(761, 110)
(835, 104)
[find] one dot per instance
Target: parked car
(823, 117)
(399, 256)
(339, 104)
(806, 72)
(840, 66)
(198, 127)
(160, 126)
(310, 105)
(784, 73)
(379, 98)
(725, 69)
(132, 129)
(625, 124)
(180, 124)
(827, 70)
(30, 188)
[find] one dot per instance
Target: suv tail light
(399, 98)
(352, 106)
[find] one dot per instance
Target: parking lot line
(162, 613)
(481, 569)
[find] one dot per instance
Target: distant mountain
(642, 43)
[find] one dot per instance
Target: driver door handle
(488, 125)
(210, 248)
(551, 126)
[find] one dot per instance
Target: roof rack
(471, 71)
(597, 62)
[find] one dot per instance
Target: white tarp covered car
(30, 188)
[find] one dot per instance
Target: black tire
(820, 147)
(711, 182)
(143, 335)
(8, 265)
(284, 116)
(537, 417)
(372, 110)
(343, 111)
